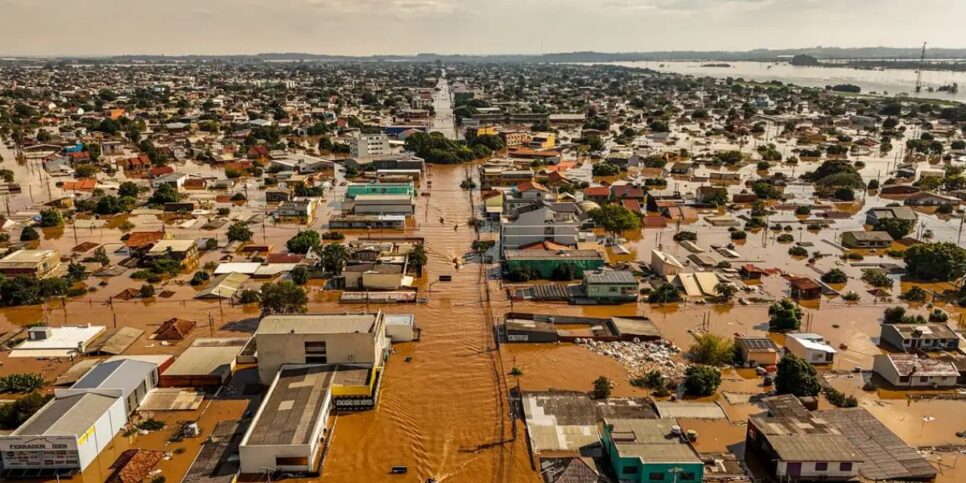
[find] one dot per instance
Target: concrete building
(369, 146)
(811, 347)
(357, 339)
(290, 426)
(647, 450)
(29, 263)
(919, 337)
(664, 264)
(911, 371)
(539, 222)
(758, 350)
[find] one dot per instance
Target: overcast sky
(364, 27)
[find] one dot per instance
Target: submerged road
(443, 120)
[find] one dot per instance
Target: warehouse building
(68, 433)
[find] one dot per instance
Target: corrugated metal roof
(71, 415)
(125, 375)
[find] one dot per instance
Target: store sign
(37, 443)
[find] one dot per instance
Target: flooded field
(881, 81)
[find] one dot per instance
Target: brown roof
(174, 329)
(134, 465)
(138, 239)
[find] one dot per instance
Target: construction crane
(922, 62)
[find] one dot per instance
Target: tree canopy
(935, 261)
(615, 219)
(796, 376)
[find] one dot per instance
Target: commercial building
(290, 426)
(371, 204)
(29, 263)
(68, 433)
(811, 347)
(911, 371)
(356, 339)
(647, 450)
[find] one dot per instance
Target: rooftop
(553, 254)
(318, 324)
(911, 364)
(606, 276)
(26, 258)
(71, 415)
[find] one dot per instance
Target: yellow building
(543, 140)
(486, 131)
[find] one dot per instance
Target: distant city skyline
(367, 27)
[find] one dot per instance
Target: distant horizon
(98, 28)
(759, 50)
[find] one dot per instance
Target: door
(794, 470)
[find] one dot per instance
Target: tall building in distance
(367, 146)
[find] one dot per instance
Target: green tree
(303, 242)
(51, 217)
(935, 261)
(76, 272)
(895, 227)
(615, 219)
(784, 315)
(601, 388)
(418, 257)
(797, 377)
(915, 294)
(712, 350)
(128, 188)
(726, 291)
(166, 193)
(700, 380)
(333, 258)
(835, 276)
(14, 414)
(300, 275)
(29, 233)
(147, 291)
(239, 231)
(564, 271)
(664, 294)
(283, 298)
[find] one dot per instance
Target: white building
(68, 433)
(664, 264)
(811, 347)
(537, 223)
(319, 339)
(908, 370)
(369, 146)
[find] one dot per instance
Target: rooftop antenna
(922, 61)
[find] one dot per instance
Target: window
(845, 466)
(291, 461)
(655, 477)
(687, 476)
(821, 466)
(315, 353)
(630, 470)
(903, 378)
(923, 378)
